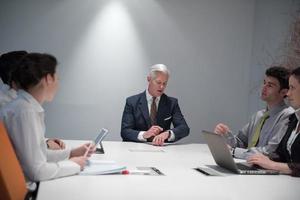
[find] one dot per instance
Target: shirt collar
(149, 97)
(4, 87)
(277, 109)
(297, 113)
(29, 98)
(8, 90)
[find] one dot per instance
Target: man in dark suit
(147, 116)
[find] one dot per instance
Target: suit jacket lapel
(162, 110)
(292, 125)
(143, 106)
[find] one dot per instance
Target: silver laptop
(222, 156)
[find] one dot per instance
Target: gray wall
(273, 22)
(105, 48)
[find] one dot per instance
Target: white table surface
(181, 181)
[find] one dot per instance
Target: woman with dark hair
(9, 62)
(286, 158)
(24, 120)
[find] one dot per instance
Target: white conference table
(181, 181)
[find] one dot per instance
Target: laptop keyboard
(244, 167)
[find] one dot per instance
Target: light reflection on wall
(108, 52)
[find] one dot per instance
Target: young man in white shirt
(266, 127)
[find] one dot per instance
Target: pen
(237, 138)
(157, 171)
(87, 150)
(202, 171)
(136, 172)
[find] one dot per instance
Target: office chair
(12, 180)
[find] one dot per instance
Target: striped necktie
(153, 112)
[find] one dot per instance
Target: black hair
(33, 67)
(281, 74)
(9, 62)
(296, 73)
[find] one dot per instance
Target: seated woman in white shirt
(9, 62)
(24, 120)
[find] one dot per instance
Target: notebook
(222, 156)
(100, 167)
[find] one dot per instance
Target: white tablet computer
(100, 136)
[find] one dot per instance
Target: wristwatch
(170, 133)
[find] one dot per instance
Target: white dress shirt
(149, 102)
(24, 121)
(7, 94)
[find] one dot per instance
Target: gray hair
(158, 68)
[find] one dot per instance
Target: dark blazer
(136, 117)
(292, 160)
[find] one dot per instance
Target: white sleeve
(171, 137)
(141, 136)
(57, 155)
(27, 133)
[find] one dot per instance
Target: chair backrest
(12, 180)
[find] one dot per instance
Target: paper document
(147, 150)
(98, 167)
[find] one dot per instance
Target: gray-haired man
(147, 116)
